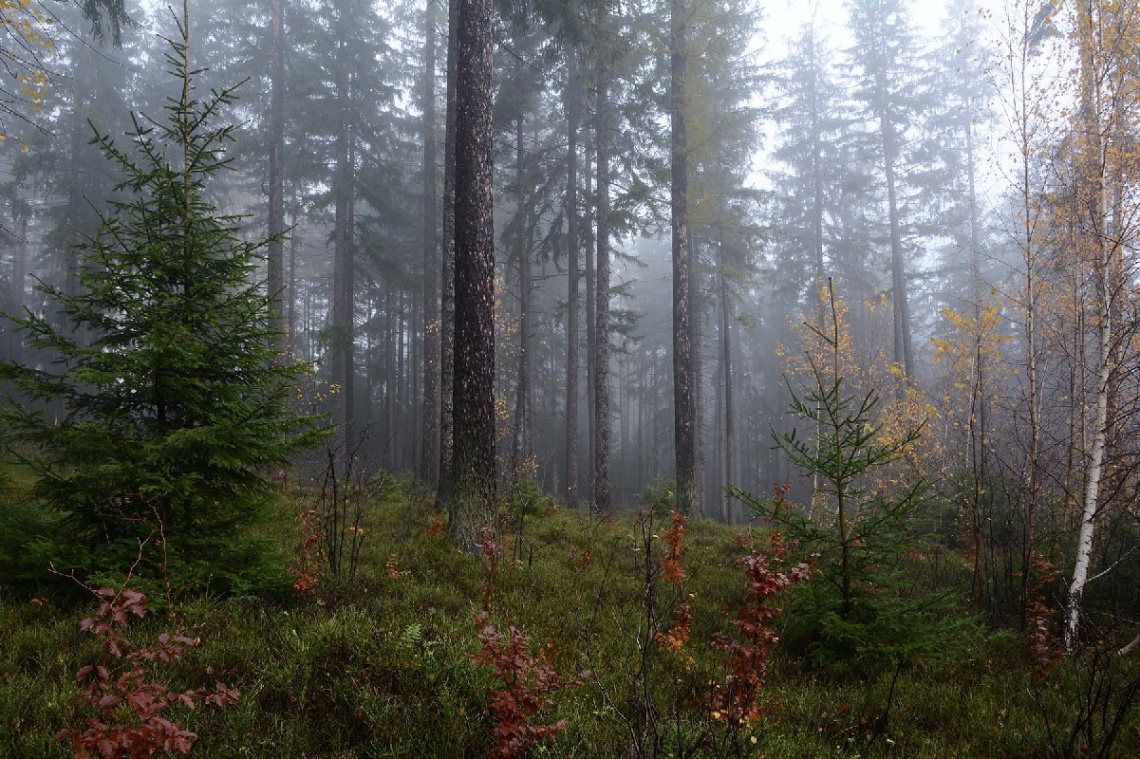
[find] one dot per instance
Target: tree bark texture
(902, 353)
(447, 300)
(342, 306)
(523, 406)
(684, 407)
(430, 460)
(275, 258)
(473, 499)
(574, 265)
(602, 329)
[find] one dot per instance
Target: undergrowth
(392, 662)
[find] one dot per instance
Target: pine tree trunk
(429, 470)
(684, 408)
(522, 439)
(74, 204)
(342, 316)
(602, 330)
(291, 292)
(275, 251)
(695, 342)
(391, 423)
(473, 501)
(976, 422)
(591, 338)
(903, 354)
(447, 299)
(732, 476)
(816, 168)
(19, 280)
(721, 470)
(574, 265)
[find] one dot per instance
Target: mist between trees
(633, 292)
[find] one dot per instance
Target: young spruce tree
(859, 612)
(174, 401)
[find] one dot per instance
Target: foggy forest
(570, 378)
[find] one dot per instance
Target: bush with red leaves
(526, 682)
(675, 638)
(735, 700)
(309, 563)
(128, 720)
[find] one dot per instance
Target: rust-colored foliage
(675, 537)
(309, 563)
(675, 638)
(492, 554)
(526, 681)
(580, 561)
(129, 709)
(1040, 642)
(392, 567)
(735, 700)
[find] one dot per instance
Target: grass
(380, 666)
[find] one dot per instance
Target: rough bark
(731, 457)
(695, 355)
(447, 300)
(473, 499)
(602, 329)
(429, 469)
(522, 440)
(591, 336)
(291, 292)
(574, 266)
(684, 408)
(342, 306)
(275, 258)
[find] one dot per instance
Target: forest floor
(381, 665)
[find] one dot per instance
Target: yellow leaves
(27, 23)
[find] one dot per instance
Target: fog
(886, 146)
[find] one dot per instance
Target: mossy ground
(380, 666)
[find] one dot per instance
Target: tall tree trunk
(1092, 194)
(473, 499)
(573, 264)
(902, 350)
(602, 330)
(591, 335)
(391, 377)
(402, 384)
(20, 212)
(291, 292)
(978, 405)
(447, 300)
(684, 408)
(429, 470)
(732, 475)
(522, 439)
(415, 363)
(74, 202)
(342, 306)
(697, 359)
(721, 442)
(275, 257)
